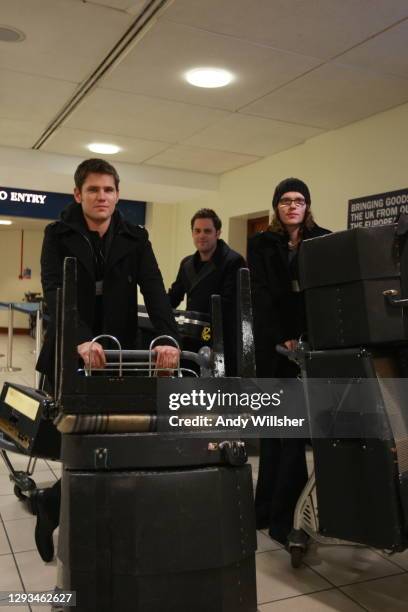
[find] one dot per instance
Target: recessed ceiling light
(5, 222)
(103, 148)
(209, 77)
(8, 34)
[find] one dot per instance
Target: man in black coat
(113, 258)
(212, 269)
(279, 318)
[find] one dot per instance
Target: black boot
(43, 504)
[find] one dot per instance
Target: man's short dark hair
(97, 166)
(207, 213)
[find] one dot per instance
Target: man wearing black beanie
(279, 318)
(287, 185)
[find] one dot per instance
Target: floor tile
(266, 543)
(325, 601)
(45, 479)
(348, 564)
(10, 580)
(11, 508)
(276, 544)
(276, 579)
(400, 559)
(54, 465)
(384, 595)
(6, 486)
(21, 534)
(4, 545)
(36, 575)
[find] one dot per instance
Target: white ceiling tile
(200, 160)
(141, 117)
(31, 98)
(320, 28)
(252, 135)
(387, 52)
(157, 64)
(17, 133)
(74, 142)
(332, 96)
(64, 39)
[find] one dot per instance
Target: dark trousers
(52, 495)
(281, 479)
(52, 499)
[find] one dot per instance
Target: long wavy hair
(276, 225)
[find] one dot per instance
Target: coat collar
(196, 277)
(219, 253)
(73, 227)
(279, 241)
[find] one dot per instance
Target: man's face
(292, 208)
(98, 197)
(205, 235)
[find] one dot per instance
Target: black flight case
(150, 521)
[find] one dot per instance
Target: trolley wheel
(19, 494)
(29, 485)
(296, 556)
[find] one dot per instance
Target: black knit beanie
(291, 184)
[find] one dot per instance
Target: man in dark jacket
(212, 269)
(279, 318)
(113, 257)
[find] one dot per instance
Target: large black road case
(351, 280)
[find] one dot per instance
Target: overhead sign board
(379, 209)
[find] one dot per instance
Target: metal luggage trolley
(26, 428)
(357, 493)
(23, 482)
(151, 519)
(26, 414)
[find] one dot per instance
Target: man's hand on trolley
(291, 345)
(167, 357)
(92, 356)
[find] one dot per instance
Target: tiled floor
(332, 578)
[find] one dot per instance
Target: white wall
(161, 223)
(12, 288)
(367, 157)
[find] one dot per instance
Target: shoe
(45, 525)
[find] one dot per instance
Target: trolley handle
(145, 355)
(391, 297)
(282, 350)
(202, 358)
(304, 352)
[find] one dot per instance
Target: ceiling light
(103, 148)
(8, 34)
(5, 222)
(209, 77)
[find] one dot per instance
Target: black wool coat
(219, 277)
(279, 311)
(130, 262)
